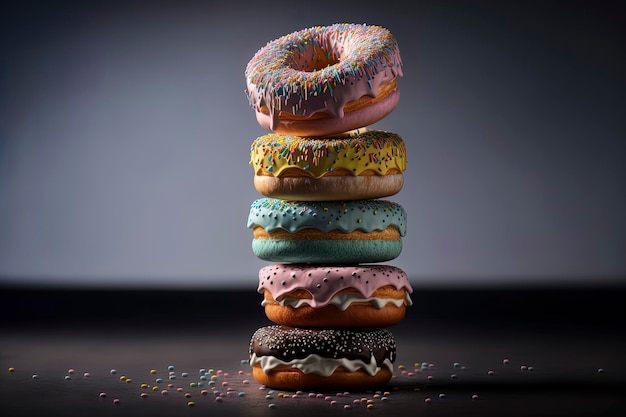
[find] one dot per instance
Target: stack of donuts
(324, 220)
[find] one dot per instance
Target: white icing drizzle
(343, 300)
(316, 364)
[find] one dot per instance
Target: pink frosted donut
(325, 80)
(351, 296)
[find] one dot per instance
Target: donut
(300, 295)
(325, 80)
(305, 359)
(326, 232)
(367, 165)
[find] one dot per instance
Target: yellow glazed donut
(365, 166)
(325, 80)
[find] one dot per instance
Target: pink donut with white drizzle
(323, 296)
(325, 80)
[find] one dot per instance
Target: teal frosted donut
(327, 232)
(326, 251)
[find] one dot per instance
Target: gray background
(125, 135)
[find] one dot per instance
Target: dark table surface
(565, 350)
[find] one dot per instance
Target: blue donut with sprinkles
(327, 232)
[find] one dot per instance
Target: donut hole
(315, 59)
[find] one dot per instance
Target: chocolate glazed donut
(294, 358)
